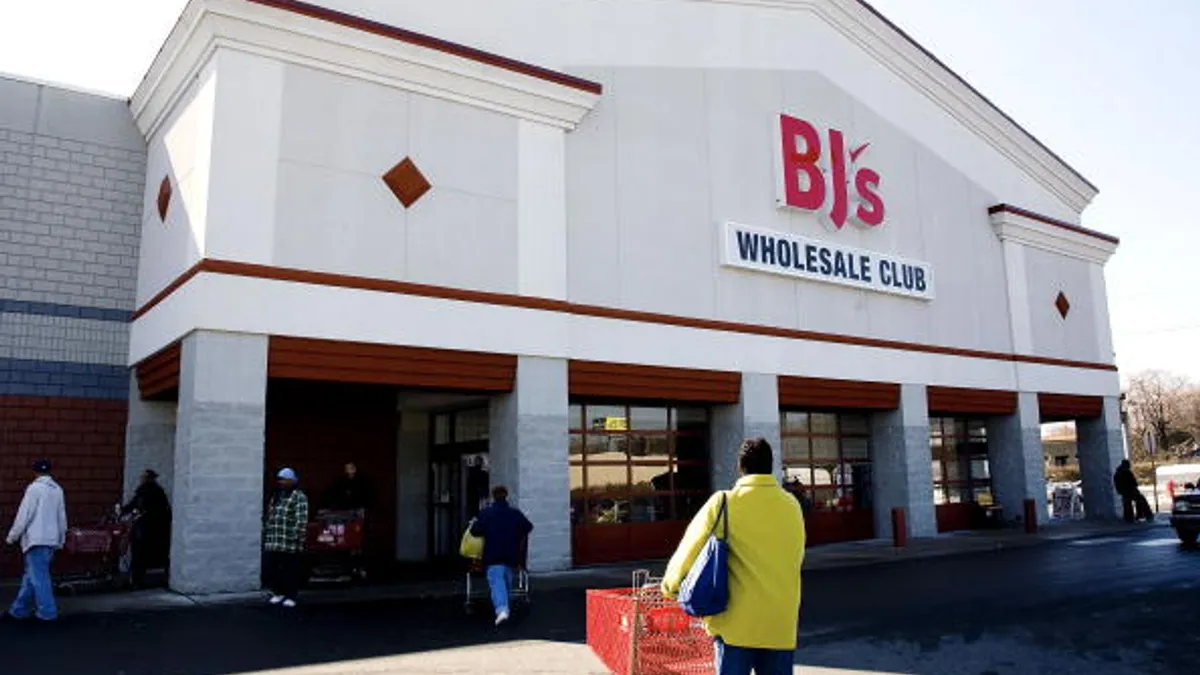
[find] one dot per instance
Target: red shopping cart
(638, 631)
(94, 556)
(335, 544)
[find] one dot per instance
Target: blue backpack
(705, 590)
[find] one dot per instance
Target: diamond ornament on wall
(164, 198)
(407, 182)
(1062, 304)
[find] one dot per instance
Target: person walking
(284, 538)
(766, 539)
(1134, 503)
(505, 531)
(151, 541)
(41, 529)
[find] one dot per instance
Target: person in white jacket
(40, 529)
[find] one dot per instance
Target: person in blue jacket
(504, 530)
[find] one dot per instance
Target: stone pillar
(412, 487)
(216, 541)
(757, 414)
(1100, 452)
(903, 464)
(528, 453)
(149, 441)
(1016, 459)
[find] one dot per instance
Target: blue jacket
(504, 530)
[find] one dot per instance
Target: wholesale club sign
(821, 172)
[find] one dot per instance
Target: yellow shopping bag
(471, 546)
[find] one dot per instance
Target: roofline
(900, 31)
(422, 40)
(1054, 222)
(38, 82)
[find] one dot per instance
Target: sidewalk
(821, 558)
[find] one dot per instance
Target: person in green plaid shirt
(284, 537)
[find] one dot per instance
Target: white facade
(278, 160)
(586, 215)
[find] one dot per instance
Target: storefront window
(637, 464)
(827, 460)
(961, 473)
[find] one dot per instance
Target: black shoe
(7, 617)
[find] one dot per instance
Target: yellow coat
(766, 550)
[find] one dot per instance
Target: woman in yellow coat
(766, 550)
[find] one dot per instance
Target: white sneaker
(501, 618)
(290, 604)
(276, 599)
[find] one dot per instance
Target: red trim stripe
(250, 270)
(429, 42)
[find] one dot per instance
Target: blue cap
(287, 474)
(42, 466)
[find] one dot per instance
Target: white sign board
(799, 257)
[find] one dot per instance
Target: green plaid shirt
(287, 524)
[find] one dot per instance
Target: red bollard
(899, 528)
(1031, 517)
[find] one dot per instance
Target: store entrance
(459, 477)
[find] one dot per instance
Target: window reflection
(961, 471)
(826, 458)
(638, 464)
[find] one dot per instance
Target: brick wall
(72, 167)
(82, 437)
(316, 428)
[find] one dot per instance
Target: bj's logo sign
(819, 173)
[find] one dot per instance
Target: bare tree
(1160, 402)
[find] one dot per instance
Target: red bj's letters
(807, 186)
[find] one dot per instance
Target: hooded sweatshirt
(42, 518)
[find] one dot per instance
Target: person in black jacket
(350, 492)
(1131, 497)
(505, 531)
(151, 541)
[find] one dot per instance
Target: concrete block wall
(529, 437)
(1016, 459)
(902, 462)
(757, 414)
(72, 167)
(216, 541)
(1101, 449)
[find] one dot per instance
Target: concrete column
(412, 487)
(1016, 459)
(757, 414)
(149, 440)
(528, 453)
(1100, 452)
(216, 542)
(903, 464)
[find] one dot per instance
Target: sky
(1109, 85)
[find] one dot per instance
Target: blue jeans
(742, 660)
(37, 593)
(500, 578)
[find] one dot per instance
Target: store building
(583, 249)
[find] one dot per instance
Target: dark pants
(744, 661)
(285, 573)
(150, 551)
(1136, 507)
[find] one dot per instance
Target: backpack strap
(722, 518)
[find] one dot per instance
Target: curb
(611, 577)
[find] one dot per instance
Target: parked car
(1185, 516)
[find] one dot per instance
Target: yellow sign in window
(616, 424)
